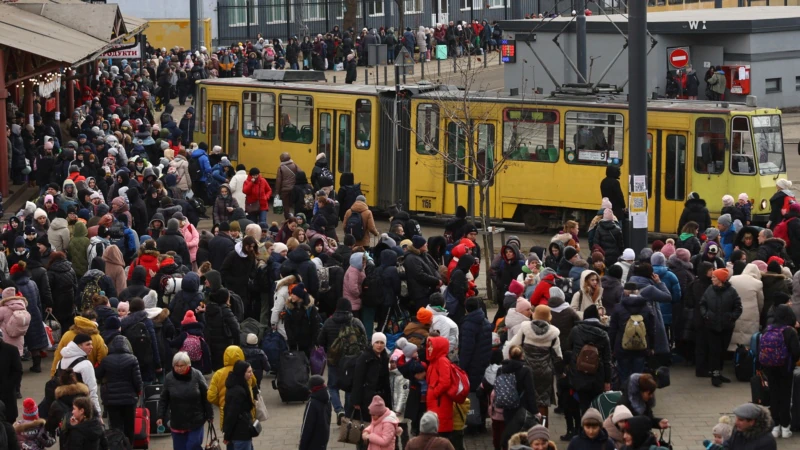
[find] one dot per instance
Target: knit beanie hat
(234, 226)
(556, 297)
(316, 380)
(615, 271)
(605, 203)
(151, 299)
(723, 428)
(430, 423)
(725, 220)
(570, 252)
(542, 312)
(173, 225)
(538, 432)
(721, 274)
(683, 254)
(418, 242)
(30, 410)
(727, 200)
(378, 337)
(657, 245)
(668, 249)
(377, 407)
(220, 296)
(774, 267)
(780, 298)
(591, 313)
(522, 306)
(81, 338)
(628, 255)
(597, 257)
(590, 415)
(424, 316)
(658, 259)
(9, 292)
(252, 339)
(188, 318)
(299, 290)
(516, 288)
(621, 412)
(406, 347)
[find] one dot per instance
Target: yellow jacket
(85, 326)
(460, 412)
(217, 389)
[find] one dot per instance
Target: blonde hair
(570, 224)
(292, 243)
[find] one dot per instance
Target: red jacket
(258, 191)
(461, 248)
(438, 377)
(541, 295)
(148, 260)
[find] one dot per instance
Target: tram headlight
(763, 203)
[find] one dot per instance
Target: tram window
(675, 176)
(324, 136)
(427, 129)
(485, 156)
(363, 124)
(456, 153)
(233, 132)
(594, 138)
(742, 159)
(709, 152)
(201, 107)
(343, 155)
(296, 112)
(530, 135)
(769, 141)
(216, 124)
(258, 115)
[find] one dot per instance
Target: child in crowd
(413, 370)
(256, 357)
(592, 435)
(744, 205)
(723, 429)
(123, 309)
(30, 430)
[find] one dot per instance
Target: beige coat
(581, 301)
(181, 166)
(237, 187)
(751, 291)
(366, 218)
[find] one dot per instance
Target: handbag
(212, 443)
(277, 205)
(262, 415)
(350, 430)
(255, 426)
(254, 207)
(665, 443)
(318, 361)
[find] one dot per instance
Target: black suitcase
(759, 389)
(152, 399)
(293, 375)
(153, 390)
(796, 400)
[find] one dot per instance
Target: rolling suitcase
(152, 399)
(759, 389)
(293, 375)
(141, 428)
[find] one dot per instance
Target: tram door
(463, 166)
(224, 128)
(666, 155)
(335, 140)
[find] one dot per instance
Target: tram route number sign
(508, 50)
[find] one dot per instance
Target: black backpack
(350, 194)
(355, 225)
(140, 343)
(195, 169)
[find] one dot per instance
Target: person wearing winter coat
(298, 261)
(780, 377)
(639, 396)
(367, 221)
(64, 286)
(38, 275)
(84, 430)
(590, 293)
(222, 328)
(184, 403)
(695, 210)
(35, 337)
(315, 430)
(13, 328)
(438, 398)
(422, 272)
(149, 364)
(301, 320)
(590, 332)
(475, 344)
(121, 385)
(224, 204)
(633, 303)
(220, 246)
(30, 430)
(115, 267)
(591, 436)
(609, 236)
(428, 437)
(217, 388)
(659, 263)
(321, 170)
(85, 326)
(637, 435)
(750, 289)
(80, 349)
(58, 235)
(383, 429)
(237, 185)
(516, 365)
(147, 260)
(173, 240)
(616, 424)
(372, 372)
(239, 406)
(643, 276)
(238, 268)
(444, 325)
(720, 308)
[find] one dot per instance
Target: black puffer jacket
(64, 286)
(334, 324)
(775, 206)
(119, 374)
(302, 324)
(720, 307)
(422, 275)
(609, 237)
(772, 247)
(136, 287)
(188, 298)
(695, 210)
(39, 276)
(237, 270)
(610, 188)
(222, 330)
(371, 378)
(475, 347)
(138, 210)
(300, 263)
(87, 435)
(390, 279)
(173, 240)
(219, 247)
(238, 404)
(590, 332)
(186, 396)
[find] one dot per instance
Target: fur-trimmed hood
(68, 390)
(286, 281)
(27, 425)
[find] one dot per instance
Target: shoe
(716, 381)
(36, 369)
(724, 379)
(567, 437)
(339, 417)
(776, 432)
(786, 432)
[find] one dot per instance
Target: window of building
(345, 133)
(531, 135)
(339, 8)
(275, 11)
(675, 179)
(466, 4)
(238, 12)
(742, 160)
(201, 106)
(495, 3)
(375, 7)
(296, 118)
(258, 115)
(315, 10)
(594, 138)
(456, 153)
(363, 124)
(773, 85)
(427, 129)
(413, 6)
(709, 152)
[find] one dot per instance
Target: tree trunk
(350, 16)
(488, 244)
(401, 16)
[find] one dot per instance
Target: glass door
(233, 132)
(666, 181)
(217, 125)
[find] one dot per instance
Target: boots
(37, 362)
(716, 380)
(776, 431)
(786, 432)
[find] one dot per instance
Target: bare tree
(401, 15)
(351, 11)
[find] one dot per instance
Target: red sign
(679, 58)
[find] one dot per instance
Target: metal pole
(4, 142)
(193, 32)
(580, 8)
(395, 142)
(637, 72)
(70, 92)
(366, 76)
(385, 76)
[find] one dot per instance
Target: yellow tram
(556, 149)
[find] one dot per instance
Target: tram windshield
(769, 143)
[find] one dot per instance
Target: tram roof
(320, 87)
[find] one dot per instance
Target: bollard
(385, 75)
(366, 76)
(334, 79)
(422, 63)
(485, 60)
(438, 67)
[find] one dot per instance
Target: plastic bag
(318, 361)
(277, 205)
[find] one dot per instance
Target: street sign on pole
(678, 57)
(405, 61)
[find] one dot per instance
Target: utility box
(377, 55)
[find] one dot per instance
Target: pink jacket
(351, 290)
(192, 238)
(383, 432)
(7, 308)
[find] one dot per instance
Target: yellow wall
(171, 32)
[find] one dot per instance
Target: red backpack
(459, 384)
(782, 231)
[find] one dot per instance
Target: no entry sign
(678, 57)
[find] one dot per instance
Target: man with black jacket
(421, 272)
(220, 246)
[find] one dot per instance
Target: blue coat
(726, 239)
(475, 347)
(674, 286)
(205, 166)
(36, 337)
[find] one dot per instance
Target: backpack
(17, 325)
(505, 391)
(193, 346)
(773, 351)
(349, 342)
(324, 276)
(140, 343)
(355, 225)
(588, 360)
(117, 439)
(53, 382)
(635, 335)
(91, 288)
(195, 169)
(459, 384)
(781, 231)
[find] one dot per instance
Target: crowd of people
(107, 269)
